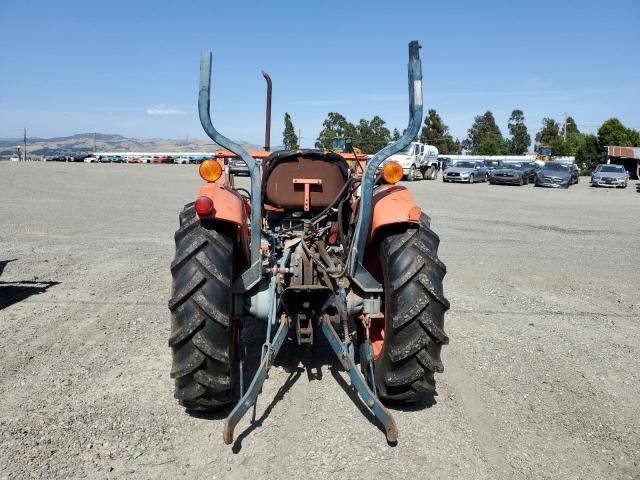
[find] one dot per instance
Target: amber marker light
(210, 170)
(392, 172)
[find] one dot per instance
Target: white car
(469, 171)
(91, 160)
(607, 175)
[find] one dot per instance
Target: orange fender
(228, 206)
(392, 204)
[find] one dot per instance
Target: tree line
(483, 138)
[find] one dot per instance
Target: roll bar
(371, 171)
(204, 101)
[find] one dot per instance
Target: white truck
(418, 158)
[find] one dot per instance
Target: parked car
(162, 159)
(238, 167)
(491, 164)
(466, 171)
(117, 159)
(555, 174)
(510, 174)
(532, 170)
(105, 159)
(91, 159)
(610, 176)
(182, 160)
(575, 173)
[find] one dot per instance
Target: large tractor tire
(414, 314)
(202, 334)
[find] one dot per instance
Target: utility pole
(25, 144)
(564, 134)
(94, 142)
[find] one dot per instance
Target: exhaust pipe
(267, 130)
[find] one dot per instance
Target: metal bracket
(345, 355)
(249, 399)
(366, 364)
(307, 182)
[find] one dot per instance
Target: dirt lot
(541, 376)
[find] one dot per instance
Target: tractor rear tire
(415, 308)
(202, 333)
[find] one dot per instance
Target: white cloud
(163, 110)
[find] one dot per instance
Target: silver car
(610, 176)
(468, 171)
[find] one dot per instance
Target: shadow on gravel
(4, 263)
(353, 395)
(14, 292)
(255, 423)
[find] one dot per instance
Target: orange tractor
(315, 245)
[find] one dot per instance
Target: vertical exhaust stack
(267, 128)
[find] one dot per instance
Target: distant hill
(84, 143)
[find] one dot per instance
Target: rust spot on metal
(414, 214)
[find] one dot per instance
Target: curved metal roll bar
(415, 120)
(204, 101)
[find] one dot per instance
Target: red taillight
(203, 206)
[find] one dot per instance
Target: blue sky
(130, 68)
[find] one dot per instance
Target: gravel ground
(541, 376)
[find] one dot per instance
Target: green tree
(613, 132)
(589, 154)
(368, 135)
(395, 135)
(493, 146)
(550, 131)
(371, 136)
(484, 128)
(335, 125)
(289, 137)
(571, 126)
(436, 133)
(520, 138)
